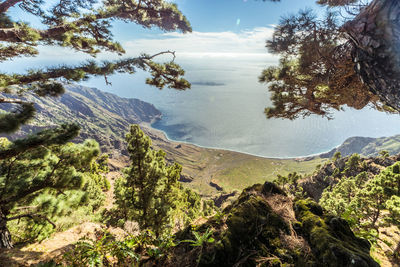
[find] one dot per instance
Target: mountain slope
(102, 116)
(366, 146)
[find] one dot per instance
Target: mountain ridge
(366, 146)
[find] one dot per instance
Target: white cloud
(245, 45)
(201, 53)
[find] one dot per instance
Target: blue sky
(223, 15)
(229, 27)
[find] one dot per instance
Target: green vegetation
(367, 203)
(105, 250)
(150, 193)
(255, 231)
(246, 171)
(44, 179)
(324, 64)
(40, 185)
(35, 171)
(259, 231)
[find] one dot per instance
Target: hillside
(350, 174)
(102, 116)
(106, 118)
(366, 146)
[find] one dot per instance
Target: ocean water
(224, 109)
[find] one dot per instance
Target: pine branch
(92, 30)
(32, 216)
(5, 5)
(12, 101)
(48, 137)
(170, 76)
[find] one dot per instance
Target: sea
(225, 109)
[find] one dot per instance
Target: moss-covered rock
(254, 232)
(331, 239)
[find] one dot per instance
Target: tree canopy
(84, 26)
(150, 192)
(43, 168)
(328, 62)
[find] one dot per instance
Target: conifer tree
(366, 202)
(150, 193)
(39, 183)
(83, 26)
(349, 57)
(148, 190)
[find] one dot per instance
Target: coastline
(299, 158)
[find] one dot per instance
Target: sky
(221, 29)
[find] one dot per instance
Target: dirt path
(51, 248)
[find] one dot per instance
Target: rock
(216, 186)
(253, 233)
(331, 239)
(219, 200)
(185, 179)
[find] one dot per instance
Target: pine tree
(84, 26)
(366, 202)
(148, 190)
(42, 182)
(150, 193)
(335, 61)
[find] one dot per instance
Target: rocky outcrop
(264, 227)
(221, 199)
(216, 186)
(331, 172)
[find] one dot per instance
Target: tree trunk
(375, 34)
(5, 237)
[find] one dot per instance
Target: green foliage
(365, 202)
(150, 193)
(258, 232)
(336, 156)
(316, 72)
(201, 239)
(106, 250)
(384, 154)
(84, 26)
(290, 183)
(103, 251)
(42, 185)
(352, 164)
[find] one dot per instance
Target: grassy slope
(230, 170)
(251, 170)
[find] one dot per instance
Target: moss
(252, 236)
(253, 230)
(330, 238)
